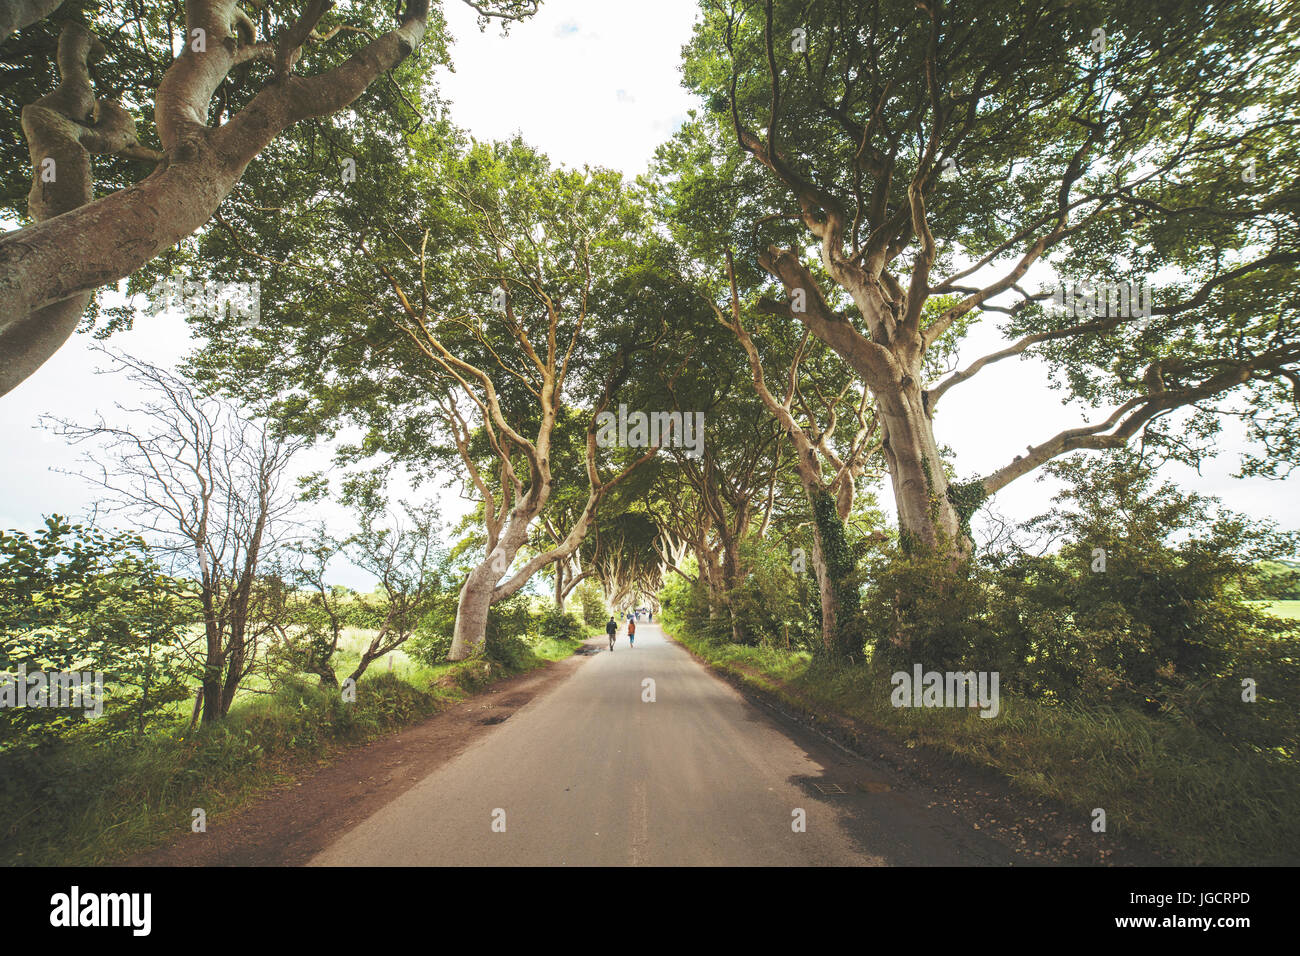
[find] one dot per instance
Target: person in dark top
(611, 629)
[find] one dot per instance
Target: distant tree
(1279, 580)
(623, 558)
(316, 612)
(591, 600)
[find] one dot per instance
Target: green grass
(351, 643)
(1171, 785)
(1287, 609)
(88, 802)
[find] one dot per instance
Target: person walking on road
(631, 633)
(611, 629)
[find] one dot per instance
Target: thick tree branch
(64, 258)
(16, 14)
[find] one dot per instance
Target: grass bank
(1196, 798)
(92, 802)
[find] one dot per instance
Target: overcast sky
(588, 82)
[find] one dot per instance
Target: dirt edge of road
(1040, 830)
(293, 821)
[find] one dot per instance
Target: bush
(431, 642)
(511, 629)
(77, 600)
(684, 606)
(774, 602)
(429, 647)
(1150, 588)
(1145, 604)
(80, 800)
(560, 626)
(927, 608)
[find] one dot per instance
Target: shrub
(511, 628)
(773, 601)
(926, 608)
(1169, 610)
(431, 642)
(560, 626)
(685, 606)
(1146, 603)
(75, 599)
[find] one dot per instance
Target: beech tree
(566, 508)
(826, 415)
(541, 240)
(898, 152)
(473, 310)
(622, 555)
(241, 78)
(20, 13)
(568, 502)
(828, 474)
(732, 479)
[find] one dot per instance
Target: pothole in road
(494, 720)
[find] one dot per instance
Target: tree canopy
(860, 188)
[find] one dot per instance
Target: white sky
(588, 82)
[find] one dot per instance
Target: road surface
(592, 773)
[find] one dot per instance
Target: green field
(1289, 609)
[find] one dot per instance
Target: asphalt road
(591, 773)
